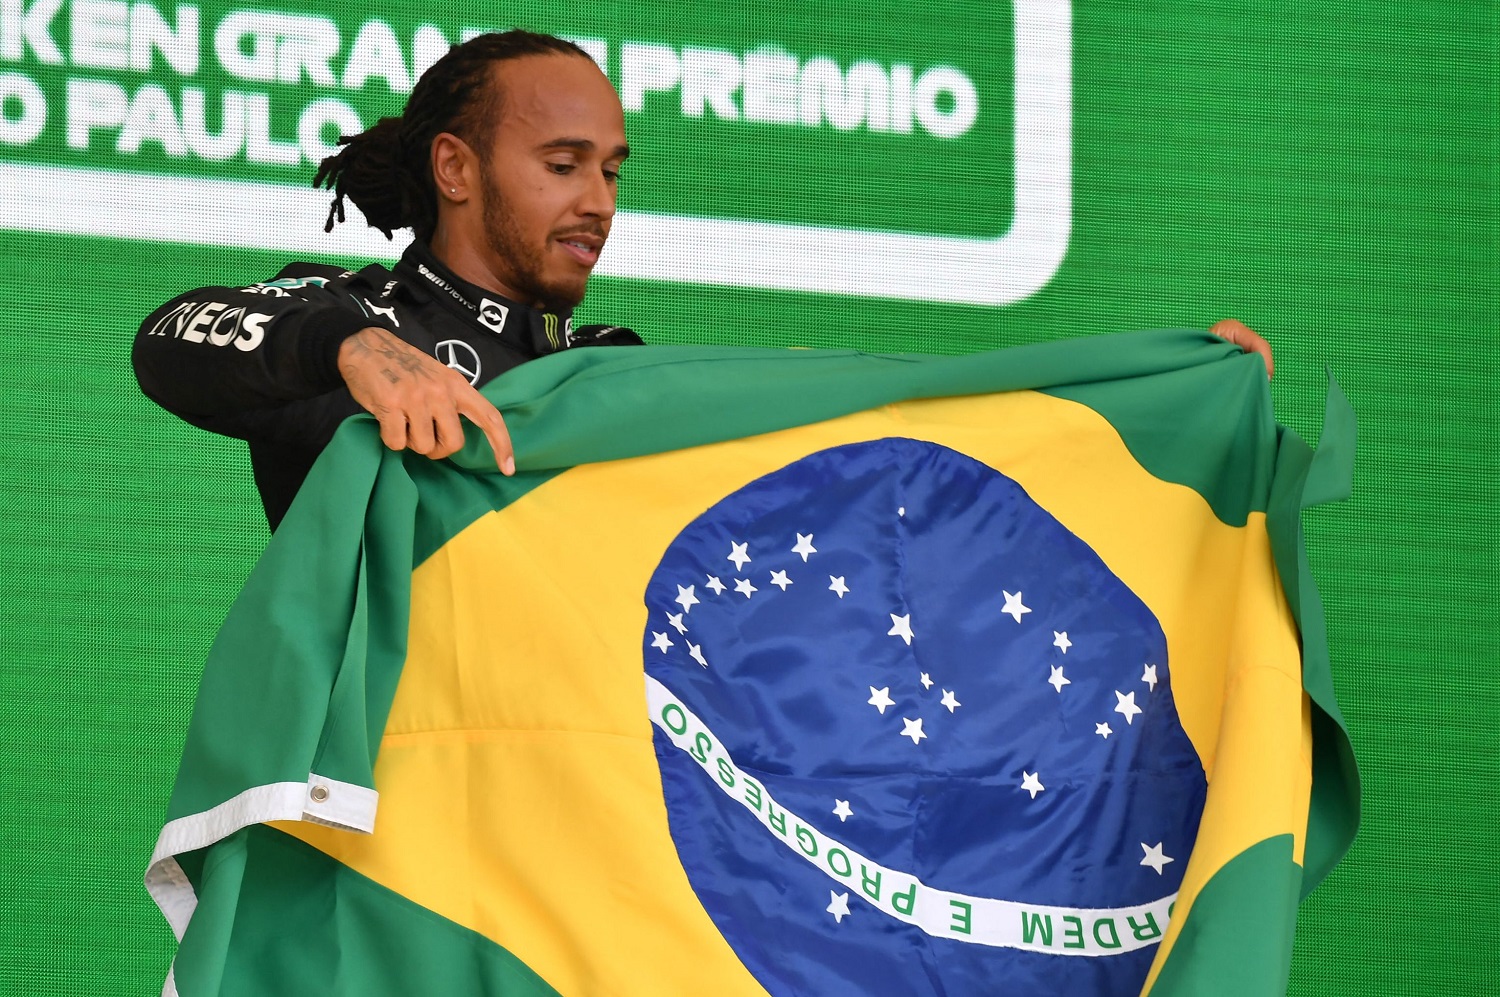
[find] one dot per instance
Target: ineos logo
(492, 315)
(455, 354)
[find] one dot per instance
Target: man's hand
(418, 400)
(1245, 338)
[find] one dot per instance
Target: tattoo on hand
(401, 358)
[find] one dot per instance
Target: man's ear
(455, 168)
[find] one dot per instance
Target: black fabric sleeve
(606, 335)
(214, 353)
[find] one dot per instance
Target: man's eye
(561, 169)
(613, 176)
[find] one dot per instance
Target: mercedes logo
(458, 355)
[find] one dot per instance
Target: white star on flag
(838, 906)
(1060, 640)
(1126, 705)
(780, 580)
(1103, 730)
(660, 641)
(1013, 605)
(951, 701)
(685, 598)
(1057, 681)
(880, 699)
(715, 584)
(739, 554)
(1154, 858)
(1031, 782)
(695, 651)
(676, 620)
(804, 546)
(926, 681)
(1149, 677)
(901, 511)
(901, 627)
(743, 585)
(836, 584)
(912, 729)
(841, 810)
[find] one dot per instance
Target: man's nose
(598, 198)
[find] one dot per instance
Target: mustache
(596, 229)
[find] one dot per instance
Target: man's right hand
(418, 400)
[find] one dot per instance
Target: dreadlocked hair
(385, 170)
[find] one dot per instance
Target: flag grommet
(319, 794)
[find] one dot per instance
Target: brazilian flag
(786, 672)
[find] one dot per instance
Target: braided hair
(385, 170)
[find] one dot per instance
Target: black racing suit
(260, 363)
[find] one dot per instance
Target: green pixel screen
(941, 177)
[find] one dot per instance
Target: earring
(453, 190)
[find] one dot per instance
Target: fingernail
(508, 466)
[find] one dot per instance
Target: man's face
(550, 184)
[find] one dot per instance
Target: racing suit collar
(532, 330)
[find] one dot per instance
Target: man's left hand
(1245, 338)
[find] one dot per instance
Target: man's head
(531, 201)
(504, 161)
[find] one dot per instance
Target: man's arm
(226, 358)
(218, 351)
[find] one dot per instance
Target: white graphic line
(1079, 931)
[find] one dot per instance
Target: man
(504, 164)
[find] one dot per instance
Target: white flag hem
(320, 800)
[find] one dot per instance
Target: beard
(525, 261)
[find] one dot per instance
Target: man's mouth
(583, 248)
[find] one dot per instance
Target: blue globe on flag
(915, 736)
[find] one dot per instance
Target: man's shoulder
(327, 282)
(323, 274)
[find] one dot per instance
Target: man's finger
(393, 429)
(488, 419)
(1246, 339)
(419, 435)
(450, 434)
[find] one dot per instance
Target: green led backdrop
(934, 177)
